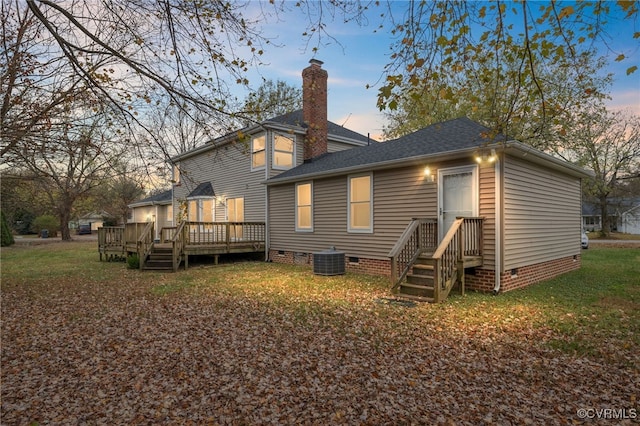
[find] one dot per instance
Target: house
(451, 204)
(624, 215)
(222, 181)
(157, 208)
(389, 208)
(630, 218)
(91, 221)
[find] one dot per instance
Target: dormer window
(258, 152)
(283, 151)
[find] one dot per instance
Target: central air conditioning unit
(328, 262)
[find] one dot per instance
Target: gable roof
(437, 142)
(159, 198)
(203, 190)
(449, 136)
(292, 121)
(296, 119)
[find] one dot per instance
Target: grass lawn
(93, 342)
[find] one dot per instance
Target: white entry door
(457, 196)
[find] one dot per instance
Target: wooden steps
(160, 259)
(419, 284)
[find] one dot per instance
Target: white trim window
(283, 151)
(201, 209)
(304, 207)
(360, 203)
(258, 152)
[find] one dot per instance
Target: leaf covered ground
(256, 343)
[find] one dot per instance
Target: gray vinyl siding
(228, 168)
(541, 214)
(334, 146)
(399, 196)
(487, 210)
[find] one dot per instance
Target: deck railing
(177, 245)
(419, 236)
(212, 233)
(167, 233)
(111, 241)
(463, 239)
(145, 243)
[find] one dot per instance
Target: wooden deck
(188, 239)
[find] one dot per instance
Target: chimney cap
(316, 62)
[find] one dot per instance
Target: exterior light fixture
(483, 156)
(429, 174)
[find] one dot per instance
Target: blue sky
(359, 59)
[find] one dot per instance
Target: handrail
(447, 256)
(419, 236)
(145, 244)
(177, 243)
(227, 233)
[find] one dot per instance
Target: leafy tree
(272, 99)
(607, 143)
(74, 156)
(507, 63)
(48, 222)
(6, 238)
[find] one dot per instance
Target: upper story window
(283, 151)
(360, 209)
(175, 178)
(258, 152)
(304, 207)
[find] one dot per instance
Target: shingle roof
(453, 135)
(203, 190)
(295, 118)
(161, 197)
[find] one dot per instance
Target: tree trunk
(604, 223)
(65, 215)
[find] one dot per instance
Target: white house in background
(630, 219)
(157, 208)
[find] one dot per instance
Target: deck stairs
(160, 259)
(420, 281)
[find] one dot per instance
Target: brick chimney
(314, 109)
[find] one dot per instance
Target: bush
(133, 262)
(7, 237)
(47, 222)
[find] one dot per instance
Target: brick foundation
(362, 266)
(484, 279)
(475, 279)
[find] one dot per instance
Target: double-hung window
(258, 152)
(360, 209)
(304, 207)
(283, 151)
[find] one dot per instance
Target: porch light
(483, 156)
(220, 200)
(429, 174)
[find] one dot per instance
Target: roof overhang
(514, 148)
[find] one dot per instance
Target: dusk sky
(360, 59)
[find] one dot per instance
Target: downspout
(269, 139)
(499, 226)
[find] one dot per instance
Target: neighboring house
(157, 208)
(223, 180)
(630, 219)
(94, 219)
(624, 216)
(363, 201)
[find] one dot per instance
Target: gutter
(389, 164)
